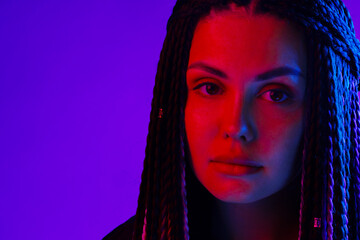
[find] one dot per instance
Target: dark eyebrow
(208, 69)
(279, 71)
(276, 72)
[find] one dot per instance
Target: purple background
(76, 81)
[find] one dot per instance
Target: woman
(254, 125)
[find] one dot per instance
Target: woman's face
(244, 113)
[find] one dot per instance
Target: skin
(244, 117)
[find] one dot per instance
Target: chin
(237, 198)
(245, 192)
(227, 192)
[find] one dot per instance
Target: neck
(275, 217)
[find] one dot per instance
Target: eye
(208, 88)
(275, 95)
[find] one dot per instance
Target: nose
(237, 122)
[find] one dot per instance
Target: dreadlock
(330, 175)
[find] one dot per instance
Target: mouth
(235, 167)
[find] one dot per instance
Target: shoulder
(122, 232)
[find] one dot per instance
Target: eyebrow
(208, 69)
(276, 72)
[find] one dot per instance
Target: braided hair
(330, 172)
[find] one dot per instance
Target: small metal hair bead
(317, 222)
(161, 113)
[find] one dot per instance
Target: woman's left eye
(275, 95)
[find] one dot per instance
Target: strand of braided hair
(311, 137)
(163, 178)
(339, 54)
(355, 167)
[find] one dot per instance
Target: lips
(235, 166)
(236, 161)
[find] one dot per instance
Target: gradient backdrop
(76, 81)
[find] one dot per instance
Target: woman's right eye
(208, 88)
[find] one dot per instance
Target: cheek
(201, 128)
(280, 133)
(198, 125)
(200, 117)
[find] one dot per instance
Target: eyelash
(267, 95)
(285, 94)
(199, 87)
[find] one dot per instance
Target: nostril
(244, 134)
(236, 135)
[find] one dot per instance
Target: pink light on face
(245, 103)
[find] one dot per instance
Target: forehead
(236, 39)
